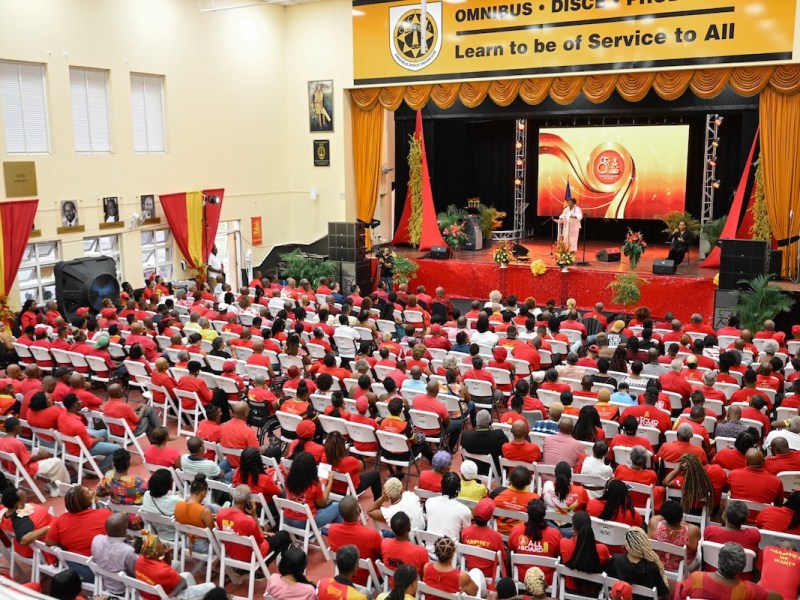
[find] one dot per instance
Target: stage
(473, 275)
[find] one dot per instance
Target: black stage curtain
(471, 152)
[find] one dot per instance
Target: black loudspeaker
(472, 226)
(775, 262)
(741, 259)
(519, 250)
(347, 242)
(85, 282)
(609, 255)
(440, 252)
(664, 267)
(356, 273)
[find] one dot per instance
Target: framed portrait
(320, 105)
(148, 205)
(69, 213)
(111, 209)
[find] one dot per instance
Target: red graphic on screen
(614, 172)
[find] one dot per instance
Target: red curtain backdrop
(16, 222)
(735, 213)
(184, 212)
(431, 236)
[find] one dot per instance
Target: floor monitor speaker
(440, 252)
(609, 255)
(664, 267)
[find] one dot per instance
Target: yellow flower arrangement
(538, 267)
(716, 280)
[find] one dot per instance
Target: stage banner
(256, 232)
(620, 172)
(477, 39)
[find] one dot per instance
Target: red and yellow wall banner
(194, 220)
(16, 222)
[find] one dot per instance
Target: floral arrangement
(7, 315)
(415, 187)
(538, 267)
(199, 272)
(634, 246)
(761, 228)
(404, 269)
(564, 257)
(503, 253)
(454, 236)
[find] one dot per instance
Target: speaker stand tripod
(583, 262)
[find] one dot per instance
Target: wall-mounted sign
(322, 153)
(20, 178)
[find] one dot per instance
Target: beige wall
(236, 110)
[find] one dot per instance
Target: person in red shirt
(482, 536)
(154, 567)
(75, 529)
(352, 532)
(520, 448)
(581, 549)
(637, 472)
(158, 453)
(529, 354)
(648, 415)
(237, 434)
(163, 379)
(436, 339)
(193, 383)
(696, 325)
(755, 412)
(780, 569)
(400, 550)
(628, 437)
(142, 421)
(77, 386)
(306, 431)
(42, 464)
(535, 537)
(500, 361)
(450, 428)
(734, 458)
(431, 480)
(783, 457)
(616, 504)
(210, 430)
(674, 381)
(240, 519)
(754, 483)
(785, 518)
(551, 382)
(72, 423)
(672, 451)
(251, 472)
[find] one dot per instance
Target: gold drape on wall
(780, 140)
(670, 85)
(367, 147)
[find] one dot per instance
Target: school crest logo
(415, 44)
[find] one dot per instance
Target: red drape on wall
(431, 236)
(193, 226)
(16, 222)
(735, 213)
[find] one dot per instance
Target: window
(147, 107)
(36, 271)
(157, 253)
(104, 245)
(24, 108)
(89, 89)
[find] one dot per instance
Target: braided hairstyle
(536, 523)
(251, 467)
(335, 448)
(337, 403)
(637, 545)
(585, 557)
(444, 548)
(585, 428)
(696, 483)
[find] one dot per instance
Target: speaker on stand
(85, 282)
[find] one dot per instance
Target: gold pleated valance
(669, 85)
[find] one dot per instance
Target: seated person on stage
(679, 243)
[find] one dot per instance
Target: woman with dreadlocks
(700, 485)
(442, 575)
(535, 537)
(252, 472)
(582, 553)
(615, 505)
(639, 565)
(588, 427)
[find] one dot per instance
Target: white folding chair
(790, 480)
(359, 432)
(395, 444)
(305, 533)
(330, 424)
(429, 421)
(82, 459)
(638, 590)
(484, 459)
(465, 553)
(19, 474)
(709, 552)
(195, 414)
(164, 407)
(127, 438)
(142, 587)
(599, 579)
(289, 423)
(609, 533)
(518, 560)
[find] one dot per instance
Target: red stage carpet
(472, 276)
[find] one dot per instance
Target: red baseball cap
(622, 590)
(229, 366)
(795, 329)
(362, 404)
(484, 509)
(293, 371)
(436, 328)
(82, 311)
(306, 430)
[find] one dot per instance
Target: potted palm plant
(760, 301)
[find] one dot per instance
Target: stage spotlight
(519, 162)
(715, 142)
(211, 199)
(518, 145)
(712, 163)
(521, 126)
(517, 182)
(718, 119)
(716, 183)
